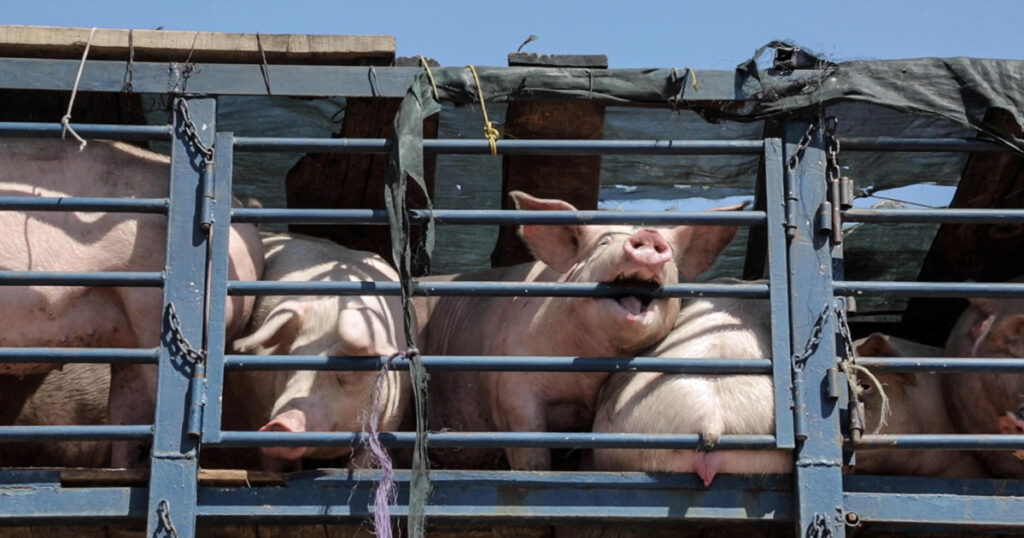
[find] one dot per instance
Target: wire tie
(264, 67)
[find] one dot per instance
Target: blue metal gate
(806, 289)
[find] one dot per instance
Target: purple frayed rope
(386, 493)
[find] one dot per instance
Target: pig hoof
(1011, 424)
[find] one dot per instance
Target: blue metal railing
(792, 312)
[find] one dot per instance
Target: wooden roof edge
(211, 47)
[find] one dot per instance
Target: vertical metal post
(174, 468)
(219, 262)
(818, 475)
(775, 208)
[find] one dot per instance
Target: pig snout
(648, 248)
(290, 421)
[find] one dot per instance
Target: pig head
(608, 327)
(305, 400)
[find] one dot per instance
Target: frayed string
(386, 493)
(886, 409)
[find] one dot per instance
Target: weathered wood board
(176, 46)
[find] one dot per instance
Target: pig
(709, 405)
(74, 316)
(602, 327)
(986, 403)
(918, 405)
(74, 395)
(304, 400)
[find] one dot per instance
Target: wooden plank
(163, 45)
(81, 477)
(533, 59)
(573, 178)
(357, 180)
(960, 252)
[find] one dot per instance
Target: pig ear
(281, 327)
(876, 345)
(557, 246)
(697, 247)
(1008, 336)
(364, 332)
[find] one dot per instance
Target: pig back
(709, 405)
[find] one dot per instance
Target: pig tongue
(632, 305)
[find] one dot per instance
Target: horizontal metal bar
(71, 355)
(36, 497)
(611, 86)
(942, 442)
(108, 205)
(497, 440)
(330, 496)
(497, 289)
(132, 279)
(49, 504)
(968, 216)
(507, 147)
(495, 216)
(940, 511)
(75, 433)
(544, 498)
(942, 365)
(928, 289)
(503, 363)
(85, 130)
(891, 143)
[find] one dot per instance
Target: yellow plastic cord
(490, 132)
(693, 74)
(430, 76)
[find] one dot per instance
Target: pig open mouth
(636, 306)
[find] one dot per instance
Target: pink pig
(986, 403)
(545, 401)
(708, 405)
(306, 400)
(70, 316)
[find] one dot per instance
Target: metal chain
(832, 149)
(805, 141)
(813, 341)
(163, 511)
(191, 353)
(192, 133)
(844, 329)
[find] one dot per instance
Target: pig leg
(1010, 424)
(527, 414)
(132, 393)
(133, 386)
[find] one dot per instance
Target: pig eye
(866, 389)
(606, 240)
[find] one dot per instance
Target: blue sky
(662, 33)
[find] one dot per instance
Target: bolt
(852, 519)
